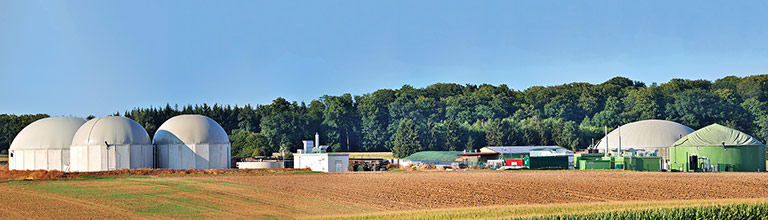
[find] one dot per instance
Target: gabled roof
(521, 149)
(717, 135)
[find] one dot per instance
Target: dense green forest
(446, 116)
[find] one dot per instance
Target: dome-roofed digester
(649, 135)
(110, 143)
(44, 144)
(192, 141)
(717, 148)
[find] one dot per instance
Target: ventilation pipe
(618, 152)
(606, 140)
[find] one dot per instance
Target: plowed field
(291, 195)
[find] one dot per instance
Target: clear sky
(99, 57)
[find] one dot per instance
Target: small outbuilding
(44, 144)
(192, 141)
(110, 143)
(323, 162)
(717, 148)
(314, 157)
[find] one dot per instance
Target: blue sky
(99, 57)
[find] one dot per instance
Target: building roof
(115, 130)
(479, 153)
(190, 129)
(717, 135)
(645, 134)
(520, 149)
(48, 133)
(434, 155)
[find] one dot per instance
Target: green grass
(3, 157)
(157, 196)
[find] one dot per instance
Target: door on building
(338, 166)
(693, 162)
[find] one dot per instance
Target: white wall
(38, 159)
(198, 156)
(260, 165)
(100, 158)
(322, 162)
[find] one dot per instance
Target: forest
(448, 116)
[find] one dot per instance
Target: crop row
(731, 211)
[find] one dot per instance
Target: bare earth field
(286, 195)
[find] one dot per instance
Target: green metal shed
(717, 148)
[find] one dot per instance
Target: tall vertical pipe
(619, 153)
(606, 140)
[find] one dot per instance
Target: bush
(362, 167)
(4, 152)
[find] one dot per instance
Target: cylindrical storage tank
(192, 141)
(44, 144)
(110, 143)
(718, 146)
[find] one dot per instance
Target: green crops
(733, 211)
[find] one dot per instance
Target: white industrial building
(192, 141)
(314, 157)
(44, 144)
(110, 143)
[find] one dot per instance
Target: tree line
(448, 116)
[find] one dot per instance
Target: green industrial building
(717, 148)
(597, 161)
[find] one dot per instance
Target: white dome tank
(109, 143)
(649, 135)
(44, 144)
(192, 141)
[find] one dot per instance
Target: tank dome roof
(47, 133)
(115, 130)
(646, 134)
(190, 129)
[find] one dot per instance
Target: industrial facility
(199, 142)
(191, 141)
(534, 157)
(115, 142)
(44, 144)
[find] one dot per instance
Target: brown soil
(290, 195)
(420, 190)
